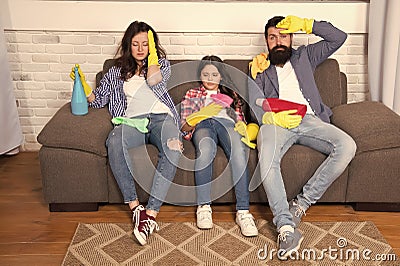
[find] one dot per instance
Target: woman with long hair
(135, 90)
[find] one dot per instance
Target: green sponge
(138, 123)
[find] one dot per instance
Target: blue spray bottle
(79, 105)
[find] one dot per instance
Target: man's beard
(280, 57)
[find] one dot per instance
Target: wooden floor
(31, 235)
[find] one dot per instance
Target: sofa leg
(377, 207)
(74, 207)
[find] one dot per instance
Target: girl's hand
(240, 127)
(204, 113)
(249, 133)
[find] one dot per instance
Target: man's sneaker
(144, 225)
(288, 243)
(297, 212)
(204, 217)
(246, 223)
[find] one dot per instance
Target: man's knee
(352, 147)
(349, 146)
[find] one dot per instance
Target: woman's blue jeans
(273, 142)
(162, 129)
(206, 136)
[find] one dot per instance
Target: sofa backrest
(331, 83)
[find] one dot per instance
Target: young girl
(136, 94)
(207, 123)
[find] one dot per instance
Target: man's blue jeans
(273, 142)
(162, 129)
(206, 136)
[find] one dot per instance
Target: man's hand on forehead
(293, 24)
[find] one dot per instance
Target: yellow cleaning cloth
(259, 64)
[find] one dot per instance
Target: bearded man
(288, 74)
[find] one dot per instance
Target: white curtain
(11, 134)
(384, 52)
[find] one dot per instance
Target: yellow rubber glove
(204, 113)
(249, 133)
(252, 131)
(88, 90)
(152, 58)
(240, 127)
(285, 119)
(259, 64)
(293, 24)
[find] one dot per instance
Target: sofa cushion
(374, 177)
(183, 78)
(64, 129)
(372, 125)
(238, 71)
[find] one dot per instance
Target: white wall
(45, 38)
(225, 16)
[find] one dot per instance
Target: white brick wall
(40, 63)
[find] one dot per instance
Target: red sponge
(277, 105)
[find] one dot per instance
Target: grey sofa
(76, 174)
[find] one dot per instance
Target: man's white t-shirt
(289, 88)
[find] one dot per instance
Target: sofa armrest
(87, 133)
(372, 125)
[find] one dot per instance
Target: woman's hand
(153, 72)
(153, 57)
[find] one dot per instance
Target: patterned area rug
(325, 243)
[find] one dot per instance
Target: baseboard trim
(74, 207)
(377, 206)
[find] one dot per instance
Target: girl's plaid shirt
(193, 100)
